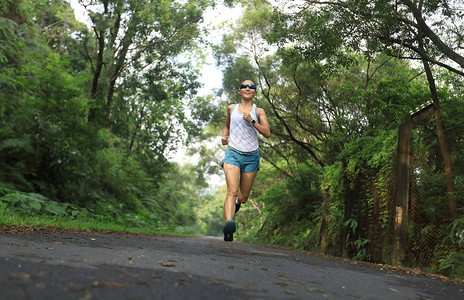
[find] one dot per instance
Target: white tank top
(242, 135)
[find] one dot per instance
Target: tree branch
(444, 48)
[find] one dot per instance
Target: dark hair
(248, 80)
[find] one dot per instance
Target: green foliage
(453, 265)
(452, 262)
(283, 210)
(181, 199)
(456, 233)
(369, 153)
(236, 72)
(360, 244)
(89, 125)
(78, 223)
(332, 180)
(88, 117)
(333, 184)
(210, 211)
(335, 92)
(32, 204)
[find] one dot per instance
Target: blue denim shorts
(247, 161)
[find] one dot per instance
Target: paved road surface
(73, 265)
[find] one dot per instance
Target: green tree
(334, 102)
(133, 37)
(398, 27)
(142, 75)
(115, 165)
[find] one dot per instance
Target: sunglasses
(251, 86)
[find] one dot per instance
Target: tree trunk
(96, 75)
(325, 222)
(454, 213)
(115, 75)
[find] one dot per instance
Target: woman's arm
(225, 131)
(263, 126)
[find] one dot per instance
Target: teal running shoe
(229, 230)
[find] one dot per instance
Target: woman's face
(247, 93)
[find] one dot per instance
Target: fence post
(400, 228)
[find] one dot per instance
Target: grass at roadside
(31, 209)
(90, 224)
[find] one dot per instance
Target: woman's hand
(225, 140)
(247, 117)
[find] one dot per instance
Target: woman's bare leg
(232, 174)
(246, 182)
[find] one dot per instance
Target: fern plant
(453, 263)
(36, 204)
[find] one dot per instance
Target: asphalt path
(82, 265)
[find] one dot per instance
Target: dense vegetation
(337, 79)
(89, 114)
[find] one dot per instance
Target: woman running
(241, 160)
